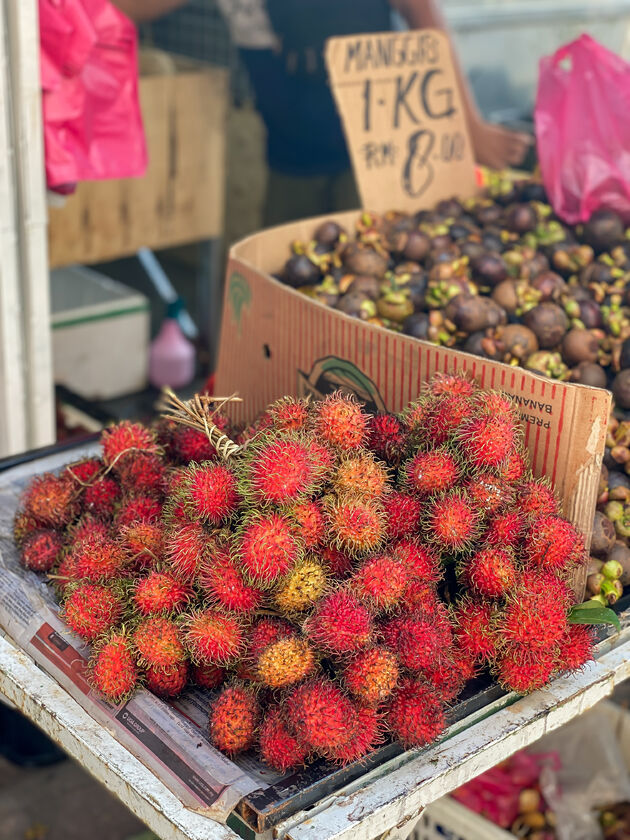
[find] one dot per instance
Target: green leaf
(593, 613)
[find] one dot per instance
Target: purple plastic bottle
(172, 355)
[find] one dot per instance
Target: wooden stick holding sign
(403, 117)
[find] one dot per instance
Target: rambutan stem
(195, 413)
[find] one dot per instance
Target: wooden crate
(181, 197)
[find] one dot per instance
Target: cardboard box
(276, 341)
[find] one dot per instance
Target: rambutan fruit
(536, 620)
(415, 715)
(90, 610)
(505, 529)
(451, 383)
(387, 438)
(487, 441)
(491, 572)
(444, 415)
(361, 476)
(85, 470)
(159, 592)
(341, 422)
(158, 642)
(547, 584)
(123, 439)
(496, 404)
(112, 668)
(98, 557)
(186, 549)
(289, 414)
(369, 734)
(207, 676)
(101, 496)
(575, 648)
(234, 717)
(447, 676)
(417, 639)
(222, 581)
(52, 500)
(212, 637)
(211, 494)
(302, 587)
(421, 561)
(320, 715)
(474, 628)
(41, 550)
(167, 682)
(142, 473)
(163, 428)
(144, 542)
(356, 526)
(550, 542)
(278, 747)
(23, 525)
(278, 471)
(190, 444)
(371, 675)
(308, 518)
(435, 471)
(452, 522)
(419, 596)
(536, 498)
(267, 547)
(265, 632)
(488, 493)
(523, 670)
(380, 581)
(144, 508)
(65, 573)
(285, 662)
(513, 468)
(340, 623)
(402, 514)
(336, 560)
(322, 457)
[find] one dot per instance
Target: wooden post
(26, 387)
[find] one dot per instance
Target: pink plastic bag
(583, 130)
(89, 70)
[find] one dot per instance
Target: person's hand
(498, 147)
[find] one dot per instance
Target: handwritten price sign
(403, 118)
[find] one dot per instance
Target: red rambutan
(98, 557)
(402, 514)
(160, 592)
(340, 623)
(91, 610)
(451, 383)
(550, 543)
(167, 682)
(144, 542)
(41, 550)
(265, 632)
(533, 619)
(341, 422)
(210, 494)
(289, 414)
(522, 670)
(452, 522)
(320, 715)
(417, 639)
(488, 493)
(119, 441)
(337, 561)
(142, 473)
(278, 748)
(212, 637)
(234, 717)
(474, 628)
(487, 441)
(85, 470)
(193, 445)
(419, 596)
(23, 525)
(491, 572)
(157, 640)
(208, 676)
(427, 473)
(361, 476)
(356, 526)
(371, 675)
(422, 563)
(513, 468)
(187, 548)
(505, 529)
(415, 715)
(100, 497)
(444, 416)
(268, 547)
(447, 676)
(536, 498)
(575, 648)
(380, 581)
(112, 668)
(369, 734)
(387, 438)
(136, 508)
(278, 471)
(221, 579)
(52, 500)
(309, 521)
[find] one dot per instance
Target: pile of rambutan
(336, 581)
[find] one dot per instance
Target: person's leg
(343, 192)
(289, 198)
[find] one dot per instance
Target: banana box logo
(334, 374)
(240, 296)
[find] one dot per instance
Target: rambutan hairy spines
(360, 475)
(158, 642)
(97, 557)
(491, 572)
(112, 667)
(289, 414)
(536, 498)
(486, 441)
(234, 717)
(355, 526)
(371, 675)
(160, 592)
(451, 383)
(452, 522)
(340, 623)
(135, 508)
(536, 620)
(387, 438)
(90, 610)
(278, 747)
(550, 542)
(308, 518)
(208, 676)
(52, 500)
(416, 639)
(523, 670)
(41, 550)
(422, 561)
(119, 441)
(267, 547)
(369, 734)
(279, 470)
(264, 632)
(101, 496)
(167, 682)
(340, 421)
(190, 444)
(415, 715)
(212, 637)
(380, 581)
(143, 542)
(505, 529)
(222, 581)
(514, 468)
(285, 662)
(447, 675)
(489, 493)
(302, 587)
(444, 416)
(402, 514)
(339, 562)
(187, 548)
(23, 525)
(496, 404)
(210, 493)
(575, 648)
(142, 473)
(85, 470)
(475, 629)
(320, 715)
(431, 472)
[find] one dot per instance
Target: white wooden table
(384, 803)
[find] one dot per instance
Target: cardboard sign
(403, 117)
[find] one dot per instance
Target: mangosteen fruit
(517, 340)
(395, 305)
(505, 295)
(471, 249)
(478, 344)
(579, 346)
(548, 363)
(489, 270)
(621, 388)
(534, 265)
(532, 191)
(471, 313)
(603, 230)
(604, 535)
(450, 208)
(624, 357)
(591, 315)
(549, 284)
(300, 271)
(596, 272)
(416, 325)
(459, 232)
(441, 242)
(417, 246)
(358, 305)
(361, 259)
(368, 286)
(549, 322)
(620, 553)
(488, 214)
(589, 373)
(328, 233)
(521, 218)
(492, 241)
